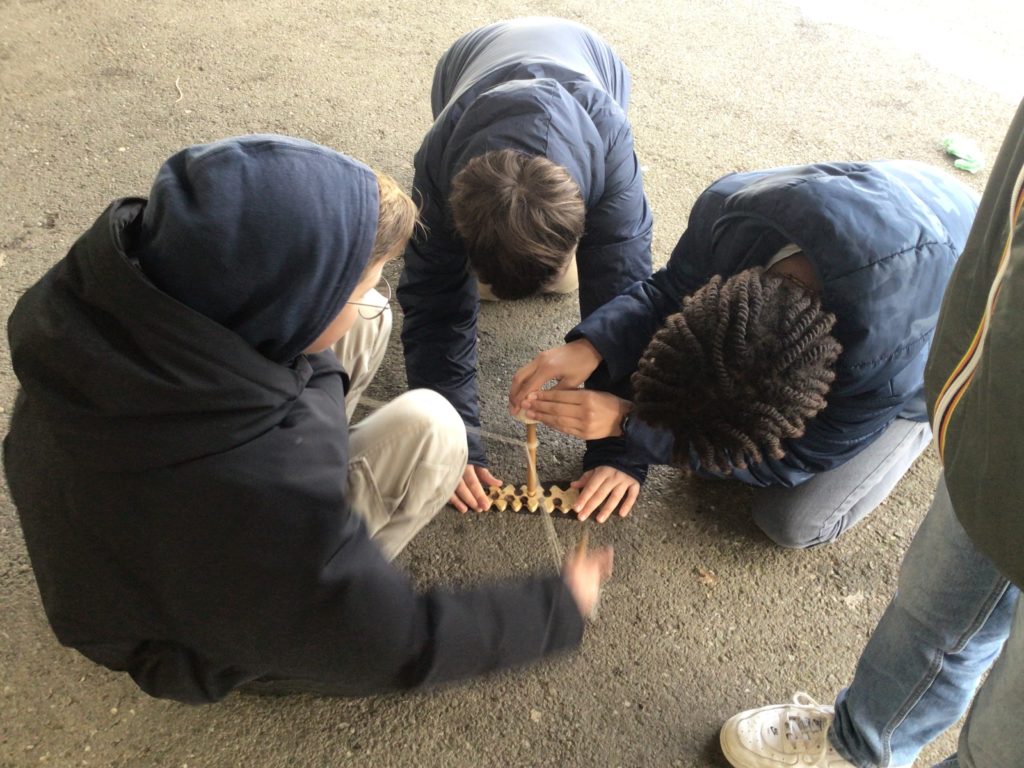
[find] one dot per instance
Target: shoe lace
(804, 727)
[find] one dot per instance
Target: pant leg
(405, 460)
(362, 349)
(941, 632)
(817, 511)
(991, 736)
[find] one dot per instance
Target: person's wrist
(584, 345)
(625, 416)
(582, 594)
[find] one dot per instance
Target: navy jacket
(545, 87)
(883, 238)
(183, 495)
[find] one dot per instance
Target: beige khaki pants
(406, 457)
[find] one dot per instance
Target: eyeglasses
(380, 309)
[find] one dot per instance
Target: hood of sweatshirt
(173, 329)
(267, 235)
(537, 117)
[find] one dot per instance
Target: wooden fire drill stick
(531, 464)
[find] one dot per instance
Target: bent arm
(358, 626)
(439, 299)
(622, 328)
(616, 250)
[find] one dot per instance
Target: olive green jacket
(974, 381)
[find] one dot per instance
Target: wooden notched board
(552, 500)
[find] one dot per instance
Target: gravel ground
(95, 94)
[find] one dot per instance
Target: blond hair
(396, 219)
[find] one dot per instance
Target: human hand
(607, 486)
(584, 572)
(570, 365)
(471, 492)
(584, 413)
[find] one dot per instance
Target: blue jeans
(817, 511)
(944, 628)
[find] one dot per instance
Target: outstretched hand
(607, 488)
(569, 365)
(471, 492)
(584, 573)
(583, 413)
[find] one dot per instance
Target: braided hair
(743, 367)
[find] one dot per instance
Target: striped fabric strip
(963, 374)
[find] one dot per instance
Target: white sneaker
(782, 735)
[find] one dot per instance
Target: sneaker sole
(735, 753)
(726, 746)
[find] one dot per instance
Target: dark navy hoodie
(882, 237)
(546, 87)
(179, 466)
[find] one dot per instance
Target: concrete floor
(89, 107)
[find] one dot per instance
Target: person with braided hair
(782, 345)
(949, 647)
(757, 354)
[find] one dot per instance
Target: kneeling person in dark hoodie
(782, 345)
(197, 512)
(530, 184)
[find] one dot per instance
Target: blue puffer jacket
(883, 238)
(545, 87)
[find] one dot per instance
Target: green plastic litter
(968, 155)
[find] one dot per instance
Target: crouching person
(783, 345)
(197, 512)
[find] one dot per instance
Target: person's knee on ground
(790, 532)
(520, 218)
(832, 502)
(444, 432)
(433, 435)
